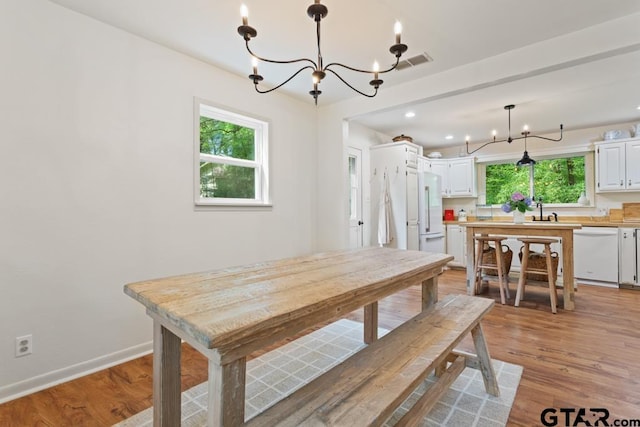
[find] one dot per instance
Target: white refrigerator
(430, 212)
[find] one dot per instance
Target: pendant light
(526, 160)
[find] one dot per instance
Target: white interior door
(355, 198)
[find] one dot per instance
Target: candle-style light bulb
(467, 138)
(316, 80)
(244, 12)
(376, 69)
(525, 128)
(397, 28)
(254, 63)
(494, 133)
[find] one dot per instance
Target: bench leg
(486, 368)
(370, 322)
(426, 402)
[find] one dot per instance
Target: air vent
(414, 61)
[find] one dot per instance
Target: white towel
(384, 213)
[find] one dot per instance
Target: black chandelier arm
(484, 145)
(275, 61)
(540, 137)
(337, 64)
(351, 87)
(549, 139)
(284, 82)
(510, 140)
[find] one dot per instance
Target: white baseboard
(598, 283)
(50, 379)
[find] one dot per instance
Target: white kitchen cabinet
(617, 166)
(399, 162)
(412, 153)
(628, 257)
(457, 244)
(458, 176)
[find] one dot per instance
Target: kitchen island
(535, 228)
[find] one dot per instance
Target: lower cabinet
(629, 257)
(457, 245)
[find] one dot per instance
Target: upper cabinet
(458, 175)
(617, 166)
(412, 155)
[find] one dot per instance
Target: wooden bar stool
(548, 271)
(482, 246)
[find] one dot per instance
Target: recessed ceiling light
(448, 137)
(409, 114)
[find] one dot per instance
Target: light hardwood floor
(588, 358)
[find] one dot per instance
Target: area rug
(277, 374)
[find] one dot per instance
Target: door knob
(360, 222)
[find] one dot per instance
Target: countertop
(586, 222)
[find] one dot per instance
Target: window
(558, 180)
(231, 159)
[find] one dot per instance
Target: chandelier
(525, 160)
(317, 11)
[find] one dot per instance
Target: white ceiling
(599, 90)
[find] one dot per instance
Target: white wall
(96, 173)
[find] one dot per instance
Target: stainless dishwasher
(595, 256)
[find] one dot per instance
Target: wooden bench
(367, 388)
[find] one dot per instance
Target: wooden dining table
(229, 313)
(534, 228)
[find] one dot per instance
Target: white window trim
(555, 153)
(260, 164)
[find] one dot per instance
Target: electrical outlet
(24, 345)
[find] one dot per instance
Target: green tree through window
(232, 158)
(555, 180)
(226, 140)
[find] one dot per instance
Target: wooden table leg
(225, 406)
(429, 292)
(567, 271)
(471, 279)
(370, 322)
(166, 377)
